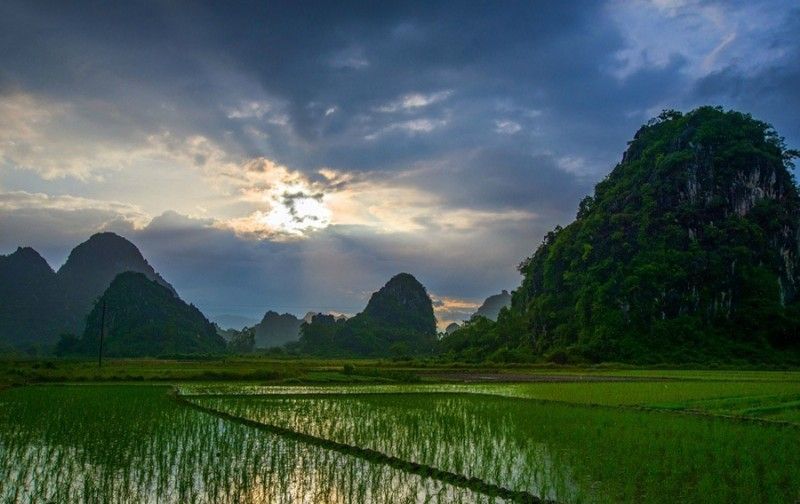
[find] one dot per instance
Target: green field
(666, 436)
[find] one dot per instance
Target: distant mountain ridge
(229, 321)
(37, 304)
(276, 330)
(492, 305)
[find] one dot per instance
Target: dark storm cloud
(503, 179)
(148, 58)
(772, 93)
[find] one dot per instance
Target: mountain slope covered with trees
(144, 318)
(687, 252)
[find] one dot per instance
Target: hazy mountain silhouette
(30, 307)
(229, 321)
(276, 330)
(493, 304)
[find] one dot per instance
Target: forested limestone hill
(144, 318)
(687, 252)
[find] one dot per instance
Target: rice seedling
(572, 442)
(564, 452)
(134, 444)
(613, 393)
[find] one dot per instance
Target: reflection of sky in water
(456, 433)
(174, 454)
(133, 444)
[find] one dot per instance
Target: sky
(294, 156)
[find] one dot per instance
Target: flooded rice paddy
(393, 443)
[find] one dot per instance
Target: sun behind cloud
(294, 205)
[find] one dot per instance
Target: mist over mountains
(491, 307)
(276, 330)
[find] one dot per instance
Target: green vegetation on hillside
(686, 252)
(37, 305)
(144, 318)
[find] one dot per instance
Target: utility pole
(102, 331)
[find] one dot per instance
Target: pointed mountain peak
(146, 319)
(403, 302)
(92, 266)
(28, 258)
(105, 255)
(103, 247)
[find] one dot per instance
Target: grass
(778, 407)
(247, 369)
(166, 370)
(310, 371)
(652, 393)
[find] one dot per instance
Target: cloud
(292, 204)
(411, 127)
(708, 35)
(503, 180)
(21, 201)
(250, 109)
(507, 127)
(351, 58)
(414, 101)
(47, 136)
(55, 224)
(768, 91)
(449, 310)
